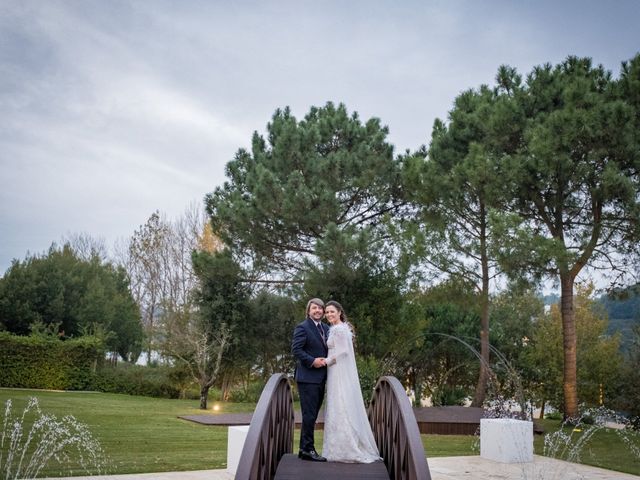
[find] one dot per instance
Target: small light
(216, 407)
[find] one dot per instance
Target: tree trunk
(414, 385)
(204, 393)
(542, 410)
(226, 387)
(481, 387)
(417, 385)
(570, 383)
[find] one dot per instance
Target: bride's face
(332, 314)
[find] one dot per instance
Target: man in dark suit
(309, 347)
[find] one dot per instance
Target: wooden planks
(292, 468)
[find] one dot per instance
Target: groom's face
(316, 312)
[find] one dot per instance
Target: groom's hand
(319, 363)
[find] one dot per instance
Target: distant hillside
(623, 310)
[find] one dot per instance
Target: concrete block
(235, 442)
(506, 440)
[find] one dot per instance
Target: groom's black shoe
(311, 455)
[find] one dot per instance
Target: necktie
(321, 332)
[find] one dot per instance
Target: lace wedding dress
(347, 434)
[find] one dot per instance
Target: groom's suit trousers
(311, 395)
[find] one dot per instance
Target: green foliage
(370, 369)
(327, 169)
(47, 362)
(249, 393)
(368, 287)
(539, 176)
(62, 290)
(267, 338)
(435, 355)
(598, 355)
(453, 187)
(448, 395)
(207, 337)
(454, 190)
(628, 385)
(222, 298)
(572, 181)
(514, 316)
(138, 380)
(553, 415)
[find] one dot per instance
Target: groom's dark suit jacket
(306, 345)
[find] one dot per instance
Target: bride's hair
(343, 316)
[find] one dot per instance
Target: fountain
(568, 443)
(49, 440)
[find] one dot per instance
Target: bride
(347, 433)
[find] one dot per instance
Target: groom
(309, 347)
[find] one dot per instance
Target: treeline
(534, 178)
(69, 296)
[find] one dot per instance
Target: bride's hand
(319, 363)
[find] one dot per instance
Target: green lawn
(141, 434)
(450, 445)
(606, 449)
(138, 434)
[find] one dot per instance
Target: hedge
(136, 380)
(48, 363)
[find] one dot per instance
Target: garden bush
(249, 393)
(48, 362)
(137, 380)
(369, 371)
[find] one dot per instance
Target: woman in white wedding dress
(347, 434)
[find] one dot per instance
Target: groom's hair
(317, 301)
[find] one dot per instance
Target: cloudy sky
(111, 109)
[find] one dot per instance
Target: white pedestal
(506, 440)
(235, 442)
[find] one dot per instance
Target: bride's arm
(341, 338)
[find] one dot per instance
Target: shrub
(48, 362)
(249, 393)
(553, 415)
(449, 395)
(137, 380)
(369, 371)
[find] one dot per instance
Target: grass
(606, 449)
(138, 434)
(450, 445)
(141, 434)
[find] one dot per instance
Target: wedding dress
(347, 434)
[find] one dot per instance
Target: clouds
(111, 110)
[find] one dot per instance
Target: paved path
(442, 468)
(542, 468)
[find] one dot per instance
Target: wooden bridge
(267, 452)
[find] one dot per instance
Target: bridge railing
(270, 434)
(392, 420)
(396, 431)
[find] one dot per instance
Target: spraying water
(67, 442)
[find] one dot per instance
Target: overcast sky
(110, 110)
